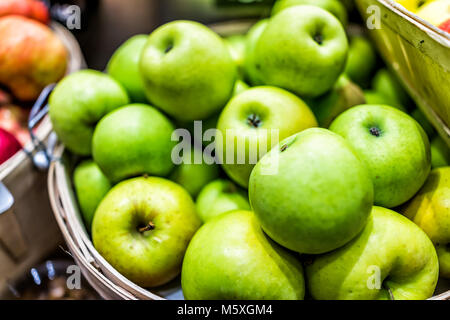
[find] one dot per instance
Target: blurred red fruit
(445, 26)
(29, 8)
(31, 56)
(8, 145)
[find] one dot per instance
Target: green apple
(142, 228)
(231, 258)
(392, 145)
(251, 73)
(247, 125)
(218, 197)
(239, 87)
(344, 95)
(187, 70)
(388, 85)
(236, 45)
(374, 97)
(78, 102)
(333, 6)
(317, 196)
(362, 60)
(132, 141)
(124, 67)
(390, 259)
(308, 61)
(430, 210)
(440, 153)
(421, 118)
(194, 176)
(91, 186)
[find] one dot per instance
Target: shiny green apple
(124, 67)
(311, 193)
(230, 258)
(256, 120)
(132, 141)
(91, 186)
(142, 228)
(302, 49)
(218, 197)
(188, 71)
(392, 145)
(78, 102)
(391, 258)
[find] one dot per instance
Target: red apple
(8, 145)
(33, 9)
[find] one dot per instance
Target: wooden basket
(28, 231)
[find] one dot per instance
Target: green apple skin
(231, 258)
(124, 67)
(387, 84)
(218, 197)
(440, 153)
(193, 177)
(91, 186)
(236, 45)
(132, 141)
(420, 117)
(182, 61)
(335, 7)
(362, 60)
(344, 95)
(239, 87)
(405, 256)
(275, 109)
(306, 62)
(148, 258)
(374, 97)
(78, 102)
(392, 145)
(430, 210)
(252, 75)
(319, 198)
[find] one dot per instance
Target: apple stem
(148, 227)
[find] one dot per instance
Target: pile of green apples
(311, 217)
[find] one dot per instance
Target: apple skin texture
(430, 210)
(399, 159)
(319, 198)
(218, 197)
(187, 70)
(154, 257)
(124, 67)
(193, 177)
(362, 60)
(230, 258)
(78, 102)
(388, 85)
(275, 108)
(91, 186)
(335, 7)
(132, 141)
(403, 253)
(302, 49)
(251, 73)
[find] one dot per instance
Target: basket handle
(41, 154)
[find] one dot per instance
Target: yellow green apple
(230, 257)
